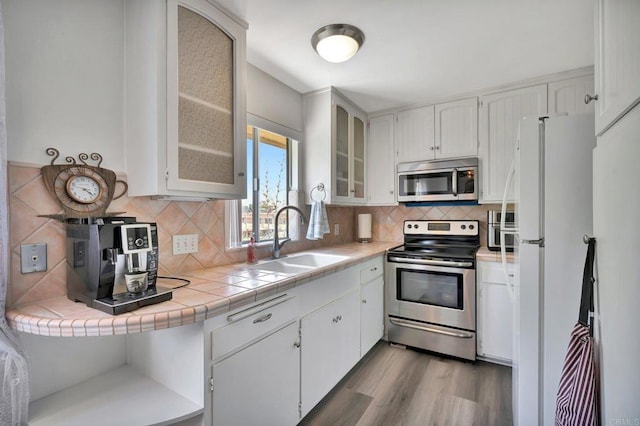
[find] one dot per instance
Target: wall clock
(81, 189)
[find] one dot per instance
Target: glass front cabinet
(185, 78)
(334, 148)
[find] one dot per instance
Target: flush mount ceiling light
(337, 42)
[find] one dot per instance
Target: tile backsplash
(29, 199)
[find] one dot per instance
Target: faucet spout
(277, 243)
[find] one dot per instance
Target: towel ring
(320, 188)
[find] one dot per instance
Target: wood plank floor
(396, 386)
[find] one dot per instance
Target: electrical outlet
(33, 258)
(185, 244)
(336, 229)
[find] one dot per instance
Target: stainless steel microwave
(446, 180)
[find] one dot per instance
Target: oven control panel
(441, 227)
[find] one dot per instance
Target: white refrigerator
(553, 202)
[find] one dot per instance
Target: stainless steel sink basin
(299, 263)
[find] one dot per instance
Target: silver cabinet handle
(259, 308)
(437, 148)
(263, 318)
(296, 344)
(364, 301)
(431, 148)
(373, 269)
(588, 98)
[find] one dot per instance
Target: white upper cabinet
(334, 148)
(568, 95)
(456, 129)
(415, 134)
(500, 114)
(617, 61)
(185, 80)
(380, 165)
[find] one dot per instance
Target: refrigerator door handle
(539, 242)
(503, 231)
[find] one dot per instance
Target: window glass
(267, 185)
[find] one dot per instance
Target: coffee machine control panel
(136, 238)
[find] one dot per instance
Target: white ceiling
(417, 50)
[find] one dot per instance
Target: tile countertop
(492, 256)
(212, 292)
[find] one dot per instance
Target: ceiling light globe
(337, 48)
(337, 42)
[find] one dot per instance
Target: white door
(380, 164)
(615, 217)
(500, 114)
(456, 129)
(415, 135)
(371, 314)
(617, 59)
(260, 384)
(330, 347)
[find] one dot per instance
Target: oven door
(433, 293)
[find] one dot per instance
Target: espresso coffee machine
(112, 264)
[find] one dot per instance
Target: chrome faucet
(277, 244)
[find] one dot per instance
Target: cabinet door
(500, 114)
(330, 347)
(358, 160)
(260, 384)
(495, 312)
(456, 129)
(380, 165)
(415, 135)
(568, 95)
(371, 314)
(341, 153)
(206, 105)
(617, 60)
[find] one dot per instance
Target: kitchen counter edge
(206, 298)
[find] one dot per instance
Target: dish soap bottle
(252, 251)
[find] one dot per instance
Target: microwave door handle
(455, 182)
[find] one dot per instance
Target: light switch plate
(33, 258)
(185, 244)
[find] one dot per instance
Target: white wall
(64, 62)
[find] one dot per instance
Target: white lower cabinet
(371, 305)
(330, 347)
(260, 384)
(495, 312)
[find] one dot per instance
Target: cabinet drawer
(370, 270)
(494, 274)
(249, 325)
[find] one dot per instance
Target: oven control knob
(463, 227)
(471, 227)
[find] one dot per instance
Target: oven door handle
(409, 324)
(431, 262)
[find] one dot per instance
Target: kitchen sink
(297, 264)
(282, 267)
(315, 260)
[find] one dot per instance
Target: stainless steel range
(431, 287)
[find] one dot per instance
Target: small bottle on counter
(252, 250)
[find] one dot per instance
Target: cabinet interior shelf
(121, 396)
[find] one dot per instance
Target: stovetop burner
(442, 239)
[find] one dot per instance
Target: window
(268, 183)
